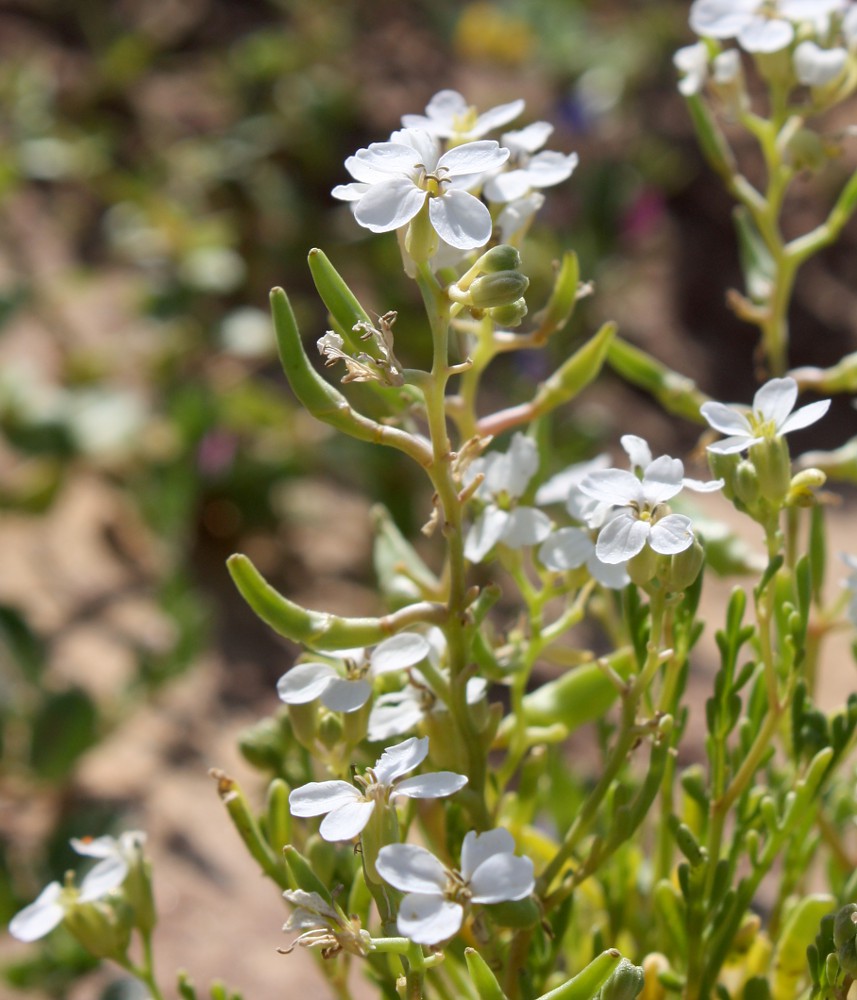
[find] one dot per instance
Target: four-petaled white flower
(757, 25)
(48, 910)
(394, 179)
(433, 909)
(645, 518)
(347, 809)
(308, 681)
(532, 170)
(323, 926)
(507, 475)
(771, 416)
(449, 116)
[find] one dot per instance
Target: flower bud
(626, 982)
(500, 288)
(261, 745)
(304, 719)
(746, 483)
(643, 566)
(655, 964)
(683, 567)
(500, 258)
(321, 856)
(845, 925)
(724, 467)
(137, 889)
(773, 467)
(509, 315)
(330, 730)
(803, 487)
(805, 150)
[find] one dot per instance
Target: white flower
(433, 908)
(645, 518)
(815, 66)
(449, 116)
(48, 910)
(570, 548)
(532, 170)
(308, 681)
(395, 178)
(507, 475)
(692, 63)
(851, 585)
(516, 216)
(758, 25)
(347, 809)
(323, 926)
(395, 713)
(770, 416)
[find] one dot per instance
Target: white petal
(485, 533)
(529, 138)
(40, 917)
(509, 186)
(389, 205)
(350, 192)
(526, 526)
(776, 400)
(305, 682)
(400, 759)
(558, 487)
(398, 652)
(621, 539)
(478, 847)
(726, 419)
(517, 215)
(502, 877)
(428, 919)
(460, 219)
(708, 486)
(436, 785)
(318, 797)
(549, 168)
(637, 449)
(612, 486)
(95, 847)
(473, 158)
(523, 463)
(566, 549)
(815, 66)
(732, 445)
(809, 10)
(662, 479)
(495, 117)
(763, 34)
(411, 869)
(424, 144)
(720, 18)
(387, 157)
(106, 876)
(346, 696)
(673, 533)
(614, 577)
(805, 416)
(346, 822)
(393, 715)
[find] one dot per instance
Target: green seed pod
(500, 258)
(483, 978)
(509, 315)
(626, 982)
(501, 288)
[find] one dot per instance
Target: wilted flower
(433, 908)
(771, 416)
(323, 926)
(347, 809)
(308, 681)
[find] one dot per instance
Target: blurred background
(163, 164)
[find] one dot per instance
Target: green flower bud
(773, 467)
(261, 745)
(137, 889)
(330, 730)
(683, 567)
(845, 925)
(321, 855)
(304, 720)
(724, 467)
(510, 315)
(500, 288)
(643, 567)
(746, 482)
(803, 487)
(805, 150)
(626, 982)
(501, 258)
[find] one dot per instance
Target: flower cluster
(425, 181)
